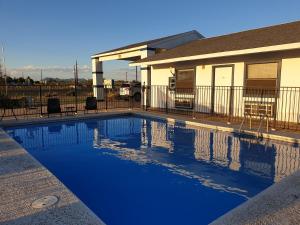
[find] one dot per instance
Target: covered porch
(136, 52)
(129, 54)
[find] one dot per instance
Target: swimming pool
(132, 170)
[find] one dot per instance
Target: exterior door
(222, 92)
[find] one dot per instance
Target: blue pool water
(138, 171)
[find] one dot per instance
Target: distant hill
(49, 79)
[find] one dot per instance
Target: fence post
(212, 103)
(41, 103)
(106, 98)
(167, 98)
(274, 110)
(76, 96)
(231, 103)
(194, 102)
(129, 98)
(147, 95)
(143, 96)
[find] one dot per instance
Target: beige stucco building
(254, 72)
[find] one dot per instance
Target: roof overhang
(136, 51)
(124, 54)
(273, 48)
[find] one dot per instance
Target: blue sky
(52, 34)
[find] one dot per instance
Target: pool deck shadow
(23, 180)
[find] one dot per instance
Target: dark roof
(148, 42)
(262, 37)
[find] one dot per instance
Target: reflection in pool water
(133, 170)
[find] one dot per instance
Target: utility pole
(41, 81)
(126, 77)
(75, 84)
(4, 68)
(1, 73)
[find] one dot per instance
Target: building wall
(161, 76)
(288, 106)
(159, 83)
(290, 72)
(290, 69)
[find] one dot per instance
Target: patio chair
(90, 104)
(53, 106)
(7, 104)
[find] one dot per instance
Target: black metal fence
(275, 108)
(32, 100)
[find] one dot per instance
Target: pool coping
(278, 204)
(23, 180)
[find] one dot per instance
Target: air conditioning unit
(184, 103)
(258, 109)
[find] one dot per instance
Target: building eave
(273, 48)
(119, 51)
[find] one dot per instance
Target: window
(184, 96)
(261, 78)
(185, 79)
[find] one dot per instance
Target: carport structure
(136, 52)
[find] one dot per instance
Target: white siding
(288, 105)
(290, 77)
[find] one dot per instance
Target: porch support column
(97, 71)
(146, 77)
(146, 80)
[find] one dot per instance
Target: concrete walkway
(24, 180)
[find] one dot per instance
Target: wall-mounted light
(171, 71)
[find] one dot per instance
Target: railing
(278, 108)
(32, 100)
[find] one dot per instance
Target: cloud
(49, 71)
(120, 73)
(64, 72)
(67, 72)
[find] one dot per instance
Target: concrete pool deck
(277, 205)
(23, 180)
